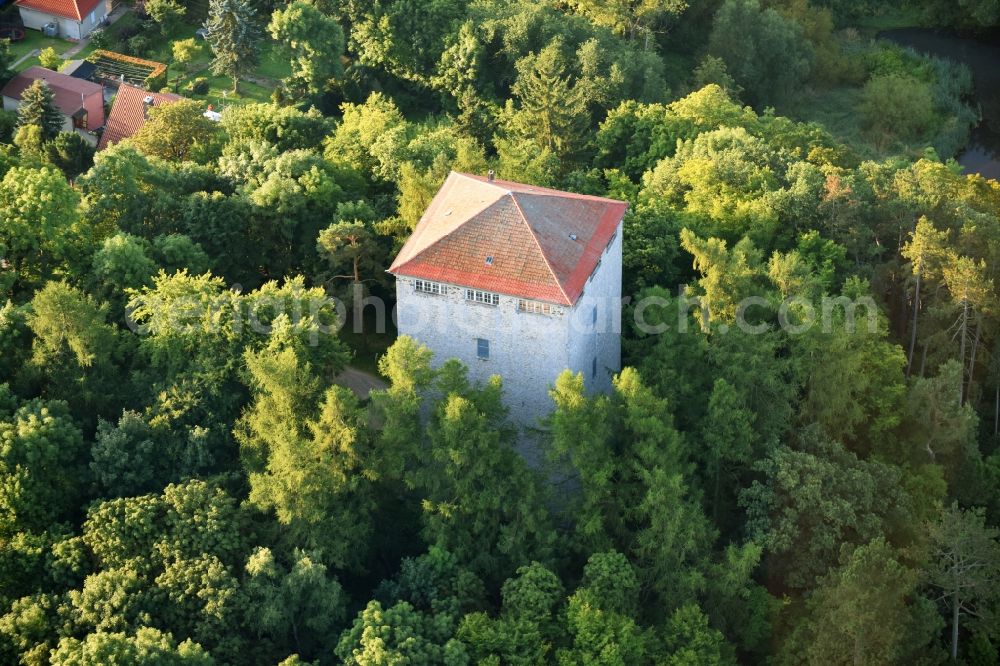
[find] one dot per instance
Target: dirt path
(360, 382)
(30, 54)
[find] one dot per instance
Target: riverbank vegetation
(177, 487)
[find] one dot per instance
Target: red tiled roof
(128, 113)
(544, 243)
(70, 94)
(71, 9)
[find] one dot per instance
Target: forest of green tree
(177, 488)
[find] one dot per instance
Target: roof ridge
(533, 189)
(556, 194)
(538, 244)
(481, 181)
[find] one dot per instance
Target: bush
(952, 86)
(127, 32)
(49, 59)
(888, 59)
(155, 81)
(100, 39)
(186, 51)
(899, 106)
(137, 46)
(8, 121)
(198, 86)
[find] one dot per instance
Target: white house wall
(92, 20)
(34, 19)
(68, 28)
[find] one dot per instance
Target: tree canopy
(216, 448)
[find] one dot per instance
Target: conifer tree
(965, 567)
(553, 111)
(926, 252)
(38, 108)
(235, 38)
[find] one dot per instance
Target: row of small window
(474, 295)
(426, 287)
(484, 297)
(535, 307)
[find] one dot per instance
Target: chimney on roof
(147, 104)
(490, 175)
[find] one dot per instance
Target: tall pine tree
(553, 111)
(235, 37)
(38, 108)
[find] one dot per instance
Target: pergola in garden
(116, 68)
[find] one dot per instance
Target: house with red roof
(518, 281)
(129, 113)
(80, 102)
(74, 19)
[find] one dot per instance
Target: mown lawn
(272, 64)
(271, 68)
(33, 39)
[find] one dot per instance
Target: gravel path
(359, 381)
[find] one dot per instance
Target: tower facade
(517, 281)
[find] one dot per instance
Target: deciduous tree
(297, 605)
(166, 13)
(147, 645)
(313, 41)
(765, 52)
(40, 466)
(175, 131)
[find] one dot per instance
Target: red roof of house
(71, 9)
(70, 94)
(128, 113)
(543, 244)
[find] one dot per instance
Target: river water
(982, 55)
